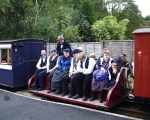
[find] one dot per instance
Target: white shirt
(90, 68)
(48, 64)
(72, 69)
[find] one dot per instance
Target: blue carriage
(17, 61)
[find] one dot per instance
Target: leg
(41, 77)
(93, 95)
(79, 84)
(73, 85)
(37, 84)
(49, 80)
(87, 86)
(65, 84)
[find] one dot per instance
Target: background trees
(76, 19)
(109, 28)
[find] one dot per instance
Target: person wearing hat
(41, 69)
(83, 76)
(60, 79)
(51, 65)
(73, 71)
(61, 45)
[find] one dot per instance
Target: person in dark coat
(113, 73)
(41, 69)
(61, 45)
(123, 62)
(60, 79)
(51, 66)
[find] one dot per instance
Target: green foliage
(109, 28)
(147, 17)
(74, 18)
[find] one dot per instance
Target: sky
(144, 6)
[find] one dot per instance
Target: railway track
(131, 109)
(128, 108)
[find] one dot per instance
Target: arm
(38, 64)
(47, 68)
(71, 68)
(91, 66)
(56, 66)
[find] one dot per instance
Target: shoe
(64, 94)
(92, 99)
(49, 91)
(70, 96)
(76, 97)
(57, 92)
(39, 89)
(100, 100)
(85, 98)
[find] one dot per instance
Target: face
(43, 52)
(80, 55)
(124, 58)
(53, 53)
(61, 41)
(66, 54)
(75, 55)
(114, 65)
(106, 57)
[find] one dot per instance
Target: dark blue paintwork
(25, 54)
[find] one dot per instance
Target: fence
(115, 47)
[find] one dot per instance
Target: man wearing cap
(61, 45)
(81, 79)
(41, 68)
(73, 71)
(60, 79)
(51, 66)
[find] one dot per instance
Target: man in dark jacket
(61, 45)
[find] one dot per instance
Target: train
(18, 65)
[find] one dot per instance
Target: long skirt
(57, 79)
(99, 85)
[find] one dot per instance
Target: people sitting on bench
(101, 75)
(41, 69)
(73, 72)
(60, 79)
(51, 66)
(81, 80)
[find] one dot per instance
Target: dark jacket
(64, 63)
(64, 46)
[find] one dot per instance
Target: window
(5, 56)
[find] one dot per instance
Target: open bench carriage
(114, 96)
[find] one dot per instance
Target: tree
(109, 28)
(126, 9)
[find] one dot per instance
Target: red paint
(117, 93)
(142, 63)
(31, 81)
